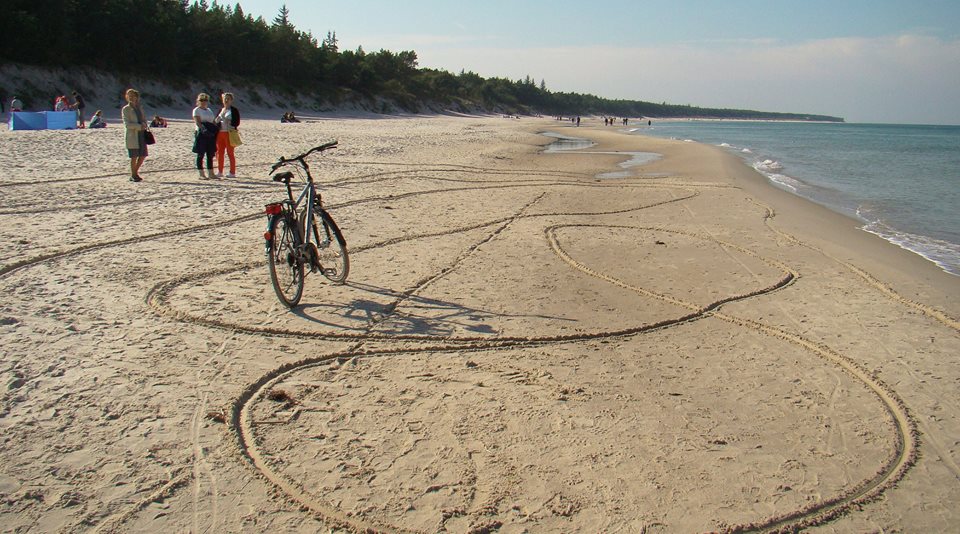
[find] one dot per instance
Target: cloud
(902, 78)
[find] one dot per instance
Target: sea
(901, 181)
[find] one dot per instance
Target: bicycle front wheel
(331, 249)
(286, 266)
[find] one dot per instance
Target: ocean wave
(771, 169)
(943, 253)
(784, 180)
(768, 165)
(747, 151)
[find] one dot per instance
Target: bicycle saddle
(284, 177)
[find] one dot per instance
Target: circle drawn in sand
(540, 438)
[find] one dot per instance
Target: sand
(520, 347)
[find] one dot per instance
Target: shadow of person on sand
(403, 314)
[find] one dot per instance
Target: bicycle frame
(311, 194)
(298, 243)
(308, 194)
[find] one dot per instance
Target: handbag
(235, 138)
(148, 137)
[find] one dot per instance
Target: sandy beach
(521, 346)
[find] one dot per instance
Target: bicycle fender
(267, 237)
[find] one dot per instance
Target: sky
(879, 61)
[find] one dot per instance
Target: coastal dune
(521, 346)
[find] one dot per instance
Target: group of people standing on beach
(212, 134)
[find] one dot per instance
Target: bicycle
(290, 226)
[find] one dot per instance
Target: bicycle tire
(332, 249)
(286, 267)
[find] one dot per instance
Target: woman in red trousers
(229, 120)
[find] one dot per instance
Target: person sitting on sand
(158, 122)
(289, 117)
(96, 121)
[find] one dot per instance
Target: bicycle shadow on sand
(401, 314)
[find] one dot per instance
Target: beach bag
(148, 137)
(235, 138)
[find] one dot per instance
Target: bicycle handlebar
(283, 161)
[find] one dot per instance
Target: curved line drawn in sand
(818, 513)
(907, 439)
(158, 297)
(929, 311)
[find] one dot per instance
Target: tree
(205, 40)
(330, 43)
(283, 18)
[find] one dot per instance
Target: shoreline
(519, 344)
(897, 237)
(932, 236)
(849, 240)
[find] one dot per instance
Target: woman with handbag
(135, 129)
(229, 136)
(205, 137)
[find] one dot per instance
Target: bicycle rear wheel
(286, 267)
(331, 248)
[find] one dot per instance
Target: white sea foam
(747, 151)
(943, 253)
(771, 169)
(768, 165)
(786, 181)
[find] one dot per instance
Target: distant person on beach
(16, 105)
(229, 121)
(289, 117)
(205, 136)
(158, 122)
(578, 120)
(96, 121)
(134, 124)
(61, 104)
(79, 104)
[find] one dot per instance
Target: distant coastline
(38, 86)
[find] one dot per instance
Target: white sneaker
(231, 175)
(219, 175)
